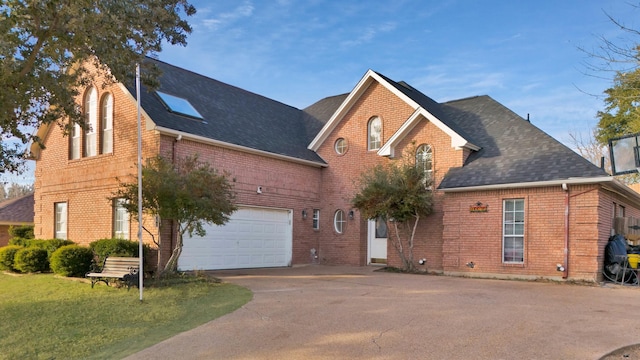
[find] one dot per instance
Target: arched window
(424, 161)
(374, 132)
(74, 152)
(107, 123)
(91, 121)
(339, 221)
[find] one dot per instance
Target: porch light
(304, 213)
(351, 214)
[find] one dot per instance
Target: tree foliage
(45, 46)
(189, 192)
(400, 193)
(621, 115)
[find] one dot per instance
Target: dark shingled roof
(230, 114)
(512, 149)
(17, 210)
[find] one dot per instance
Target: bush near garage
(72, 260)
(31, 260)
(104, 248)
(7, 254)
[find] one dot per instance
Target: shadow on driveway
(338, 312)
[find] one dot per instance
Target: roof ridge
(8, 202)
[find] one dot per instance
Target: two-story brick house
(510, 200)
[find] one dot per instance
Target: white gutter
(569, 181)
(205, 140)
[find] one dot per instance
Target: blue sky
(524, 54)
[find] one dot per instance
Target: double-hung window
(316, 219)
(120, 220)
(513, 231)
(60, 231)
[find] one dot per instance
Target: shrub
(50, 245)
(72, 260)
(114, 247)
(7, 255)
(21, 231)
(31, 259)
(23, 242)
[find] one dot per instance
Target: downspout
(565, 273)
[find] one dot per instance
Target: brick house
(15, 212)
(510, 201)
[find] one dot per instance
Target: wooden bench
(117, 268)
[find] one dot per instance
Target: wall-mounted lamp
(304, 213)
(351, 214)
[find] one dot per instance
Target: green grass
(47, 317)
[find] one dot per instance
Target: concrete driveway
(327, 312)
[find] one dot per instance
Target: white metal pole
(141, 248)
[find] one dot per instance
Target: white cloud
(242, 11)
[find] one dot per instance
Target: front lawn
(47, 317)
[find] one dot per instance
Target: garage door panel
(253, 237)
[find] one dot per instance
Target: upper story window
(424, 161)
(106, 110)
(339, 221)
(341, 146)
(91, 122)
(374, 133)
(74, 151)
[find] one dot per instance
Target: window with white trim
(120, 220)
(374, 133)
(424, 161)
(91, 121)
(339, 221)
(107, 124)
(316, 219)
(340, 146)
(60, 219)
(513, 231)
(74, 142)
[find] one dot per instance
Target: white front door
(377, 234)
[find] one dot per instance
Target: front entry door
(377, 235)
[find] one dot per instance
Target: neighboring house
(510, 201)
(15, 212)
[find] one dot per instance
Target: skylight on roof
(179, 105)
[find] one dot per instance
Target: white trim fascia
(209, 141)
(149, 124)
(353, 96)
(569, 181)
(457, 141)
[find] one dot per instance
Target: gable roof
(231, 116)
(512, 149)
(421, 103)
(17, 211)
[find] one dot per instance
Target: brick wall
(85, 184)
(338, 180)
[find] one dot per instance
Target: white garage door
(253, 238)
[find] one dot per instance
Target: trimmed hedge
(50, 245)
(21, 231)
(104, 248)
(31, 259)
(7, 255)
(72, 260)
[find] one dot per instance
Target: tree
(620, 59)
(16, 190)
(400, 193)
(46, 46)
(190, 192)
